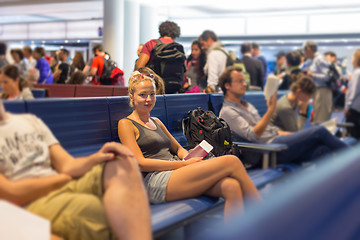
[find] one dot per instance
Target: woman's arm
(127, 135)
(22, 192)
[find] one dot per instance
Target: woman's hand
(193, 160)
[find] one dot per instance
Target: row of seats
(83, 125)
(321, 202)
(74, 90)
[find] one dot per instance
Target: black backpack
(236, 63)
(110, 73)
(204, 125)
(334, 77)
(168, 63)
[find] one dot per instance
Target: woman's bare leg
(195, 179)
(229, 189)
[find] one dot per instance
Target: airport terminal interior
(304, 199)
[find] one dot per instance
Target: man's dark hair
(254, 45)
(280, 54)
(40, 50)
(245, 48)
(169, 29)
(293, 58)
(27, 48)
(98, 47)
(2, 48)
(226, 78)
(312, 45)
(331, 53)
(208, 34)
(63, 50)
(301, 52)
(18, 52)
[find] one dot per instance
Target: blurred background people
(352, 98)
(43, 66)
(3, 60)
(195, 63)
(13, 84)
(18, 58)
(30, 61)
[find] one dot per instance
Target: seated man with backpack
(247, 125)
(165, 56)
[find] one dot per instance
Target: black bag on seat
(204, 125)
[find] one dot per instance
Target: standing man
(97, 64)
(30, 61)
(3, 60)
(253, 66)
(256, 53)
(62, 72)
(216, 58)
(318, 69)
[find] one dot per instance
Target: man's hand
(303, 106)
(272, 102)
(111, 150)
(346, 112)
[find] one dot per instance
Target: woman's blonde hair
(159, 82)
(135, 78)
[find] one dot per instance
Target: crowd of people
(103, 195)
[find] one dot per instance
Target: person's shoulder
(28, 117)
(157, 120)
(63, 65)
(150, 43)
(125, 122)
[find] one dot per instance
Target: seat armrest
(345, 124)
(265, 148)
(261, 147)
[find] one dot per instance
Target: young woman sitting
(168, 178)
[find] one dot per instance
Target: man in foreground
(96, 197)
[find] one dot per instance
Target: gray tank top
(153, 143)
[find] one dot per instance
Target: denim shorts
(156, 183)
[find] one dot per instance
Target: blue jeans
(308, 144)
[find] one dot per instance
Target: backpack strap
(222, 50)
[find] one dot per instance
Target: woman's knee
(233, 162)
(231, 188)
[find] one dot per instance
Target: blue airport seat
(119, 108)
(168, 216)
(38, 92)
(177, 107)
(15, 106)
(216, 102)
(78, 123)
(319, 204)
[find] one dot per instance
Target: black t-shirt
(64, 67)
